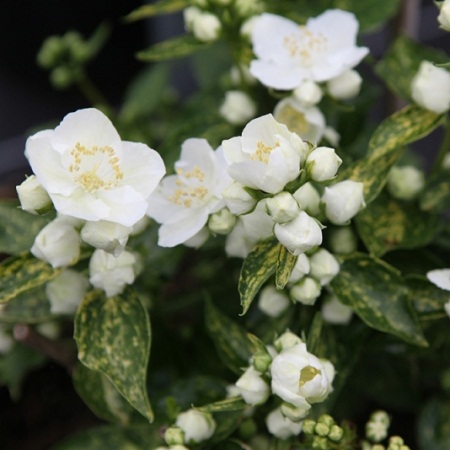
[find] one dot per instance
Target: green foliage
(285, 264)
(434, 425)
(435, 197)
(156, 8)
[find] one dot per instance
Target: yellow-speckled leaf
(386, 146)
(377, 293)
(229, 404)
(259, 265)
(285, 265)
(389, 224)
(113, 337)
(435, 196)
(22, 273)
(156, 8)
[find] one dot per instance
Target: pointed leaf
(156, 8)
(377, 293)
(285, 264)
(113, 337)
(435, 197)
(229, 404)
(259, 265)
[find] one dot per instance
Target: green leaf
(386, 146)
(18, 228)
(388, 224)
(172, 48)
(156, 8)
(113, 337)
(22, 273)
(285, 264)
(259, 265)
(435, 196)
(434, 425)
(229, 404)
(313, 341)
(378, 295)
(402, 61)
(230, 339)
(101, 396)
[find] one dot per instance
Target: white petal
(440, 277)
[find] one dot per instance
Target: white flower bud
(189, 14)
(430, 88)
(405, 182)
(440, 278)
(294, 413)
(376, 431)
(247, 27)
(108, 236)
(238, 108)
(300, 269)
(444, 15)
(272, 301)
(300, 234)
(280, 426)
(306, 291)
(335, 312)
(345, 86)
(252, 388)
(324, 266)
(197, 426)
(58, 243)
(308, 198)
(246, 8)
(206, 27)
(174, 436)
(111, 273)
(33, 197)
(308, 93)
(332, 136)
(282, 207)
(50, 330)
(221, 222)
(287, 340)
(237, 199)
(66, 291)
(6, 340)
(322, 164)
(343, 240)
(343, 201)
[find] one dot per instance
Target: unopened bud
(322, 164)
(174, 436)
(346, 85)
(282, 207)
(322, 429)
(336, 433)
(306, 291)
(221, 222)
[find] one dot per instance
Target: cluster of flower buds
(323, 432)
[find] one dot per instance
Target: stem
(443, 150)
(92, 93)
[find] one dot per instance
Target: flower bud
(309, 426)
(306, 291)
(308, 198)
(336, 433)
(444, 15)
(324, 266)
(343, 240)
(33, 197)
(238, 108)
(272, 301)
(6, 340)
(280, 426)
(299, 234)
(335, 312)
(345, 86)
(320, 443)
(252, 388)
(322, 429)
(322, 164)
(376, 431)
(51, 330)
(189, 14)
(332, 136)
(197, 426)
(66, 291)
(245, 8)
(206, 26)
(300, 269)
(294, 413)
(440, 278)
(308, 93)
(108, 236)
(174, 436)
(282, 207)
(238, 200)
(221, 222)
(261, 361)
(287, 340)
(405, 182)
(343, 201)
(430, 88)
(58, 243)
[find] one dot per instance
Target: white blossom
(301, 268)
(238, 200)
(288, 53)
(287, 340)
(343, 240)
(306, 291)
(308, 198)
(345, 86)
(183, 202)
(444, 15)
(272, 301)
(324, 266)
(308, 93)
(280, 426)
(252, 387)
(221, 222)
(322, 164)
(108, 236)
(32, 196)
(440, 278)
(197, 426)
(6, 340)
(430, 88)
(266, 156)
(405, 182)
(237, 107)
(205, 26)
(282, 207)
(335, 312)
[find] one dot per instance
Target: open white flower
(89, 173)
(267, 155)
(184, 201)
(288, 53)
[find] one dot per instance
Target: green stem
(444, 149)
(93, 94)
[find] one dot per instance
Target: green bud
(174, 436)
(336, 433)
(50, 52)
(327, 420)
(308, 426)
(396, 440)
(322, 429)
(248, 429)
(378, 447)
(262, 361)
(62, 77)
(321, 443)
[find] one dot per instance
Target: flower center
(306, 46)
(186, 195)
(262, 152)
(307, 374)
(95, 168)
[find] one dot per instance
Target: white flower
(405, 182)
(58, 243)
(332, 136)
(197, 426)
(294, 413)
(108, 236)
(266, 157)
(272, 301)
(444, 15)
(189, 14)
(252, 388)
(238, 200)
(300, 234)
(377, 426)
(343, 201)
(183, 202)
(308, 198)
(308, 93)
(430, 88)
(345, 86)
(280, 426)
(322, 164)
(110, 273)
(307, 121)
(66, 291)
(288, 53)
(301, 268)
(89, 173)
(306, 291)
(221, 222)
(335, 312)
(343, 240)
(440, 278)
(287, 340)
(33, 197)
(237, 107)
(324, 266)
(300, 378)
(6, 340)
(205, 26)
(282, 207)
